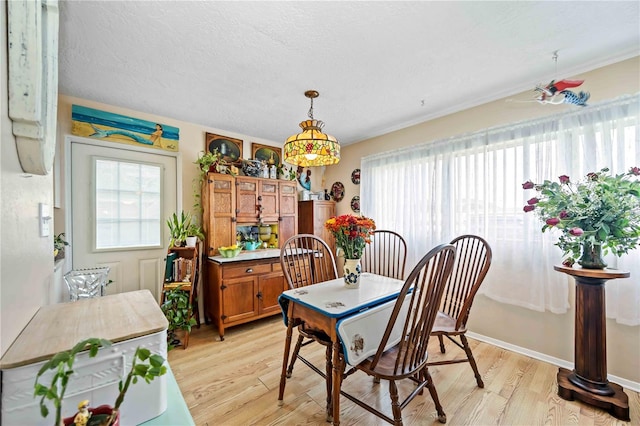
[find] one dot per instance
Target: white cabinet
(129, 320)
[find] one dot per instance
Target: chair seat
(445, 324)
(387, 364)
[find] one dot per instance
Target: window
(128, 200)
(433, 192)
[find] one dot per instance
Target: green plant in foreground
(62, 366)
(144, 365)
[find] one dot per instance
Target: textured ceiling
(244, 66)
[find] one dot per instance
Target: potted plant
(211, 162)
(58, 246)
(194, 232)
(179, 228)
(600, 213)
(178, 312)
(144, 365)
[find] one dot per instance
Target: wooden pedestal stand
(588, 381)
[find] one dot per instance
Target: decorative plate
(355, 176)
(337, 191)
(355, 204)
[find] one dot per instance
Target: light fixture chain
(310, 114)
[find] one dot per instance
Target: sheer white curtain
(435, 191)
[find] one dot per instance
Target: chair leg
(442, 417)
(472, 360)
(441, 343)
(285, 359)
(294, 356)
(395, 404)
(329, 369)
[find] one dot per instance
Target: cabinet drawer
(244, 270)
(276, 267)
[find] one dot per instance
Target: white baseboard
(627, 384)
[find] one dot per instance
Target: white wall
(26, 259)
(546, 333)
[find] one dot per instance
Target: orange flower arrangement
(352, 233)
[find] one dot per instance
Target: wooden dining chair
(473, 259)
(386, 254)
(306, 260)
(410, 323)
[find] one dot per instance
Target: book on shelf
(182, 269)
(168, 271)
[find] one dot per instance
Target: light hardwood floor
(235, 382)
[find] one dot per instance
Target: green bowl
(228, 252)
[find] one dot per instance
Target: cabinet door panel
(270, 287)
(268, 201)
(246, 199)
(219, 212)
(288, 225)
(238, 299)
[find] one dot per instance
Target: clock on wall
(33, 81)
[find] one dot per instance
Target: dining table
(325, 306)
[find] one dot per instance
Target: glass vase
(352, 270)
(592, 256)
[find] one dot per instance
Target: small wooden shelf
(190, 286)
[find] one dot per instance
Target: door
(270, 287)
(120, 202)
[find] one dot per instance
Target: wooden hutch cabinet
(246, 287)
(244, 290)
(311, 218)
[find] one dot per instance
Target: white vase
(352, 270)
(192, 241)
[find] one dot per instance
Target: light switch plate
(45, 219)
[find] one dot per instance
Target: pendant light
(311, 147)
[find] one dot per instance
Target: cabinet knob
(249, 270)
(259, 295)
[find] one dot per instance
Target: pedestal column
(588, 381)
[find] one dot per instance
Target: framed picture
(230, 148)
(272, 155)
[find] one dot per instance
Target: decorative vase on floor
(352, 270)
(591, 257)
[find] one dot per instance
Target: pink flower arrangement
(601, 210)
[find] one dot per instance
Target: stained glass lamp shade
(311, 147)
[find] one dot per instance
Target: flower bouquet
(596, 215)
(352, 233)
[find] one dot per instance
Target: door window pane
(128, 204)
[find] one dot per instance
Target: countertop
(248, 255)
(59, 327)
